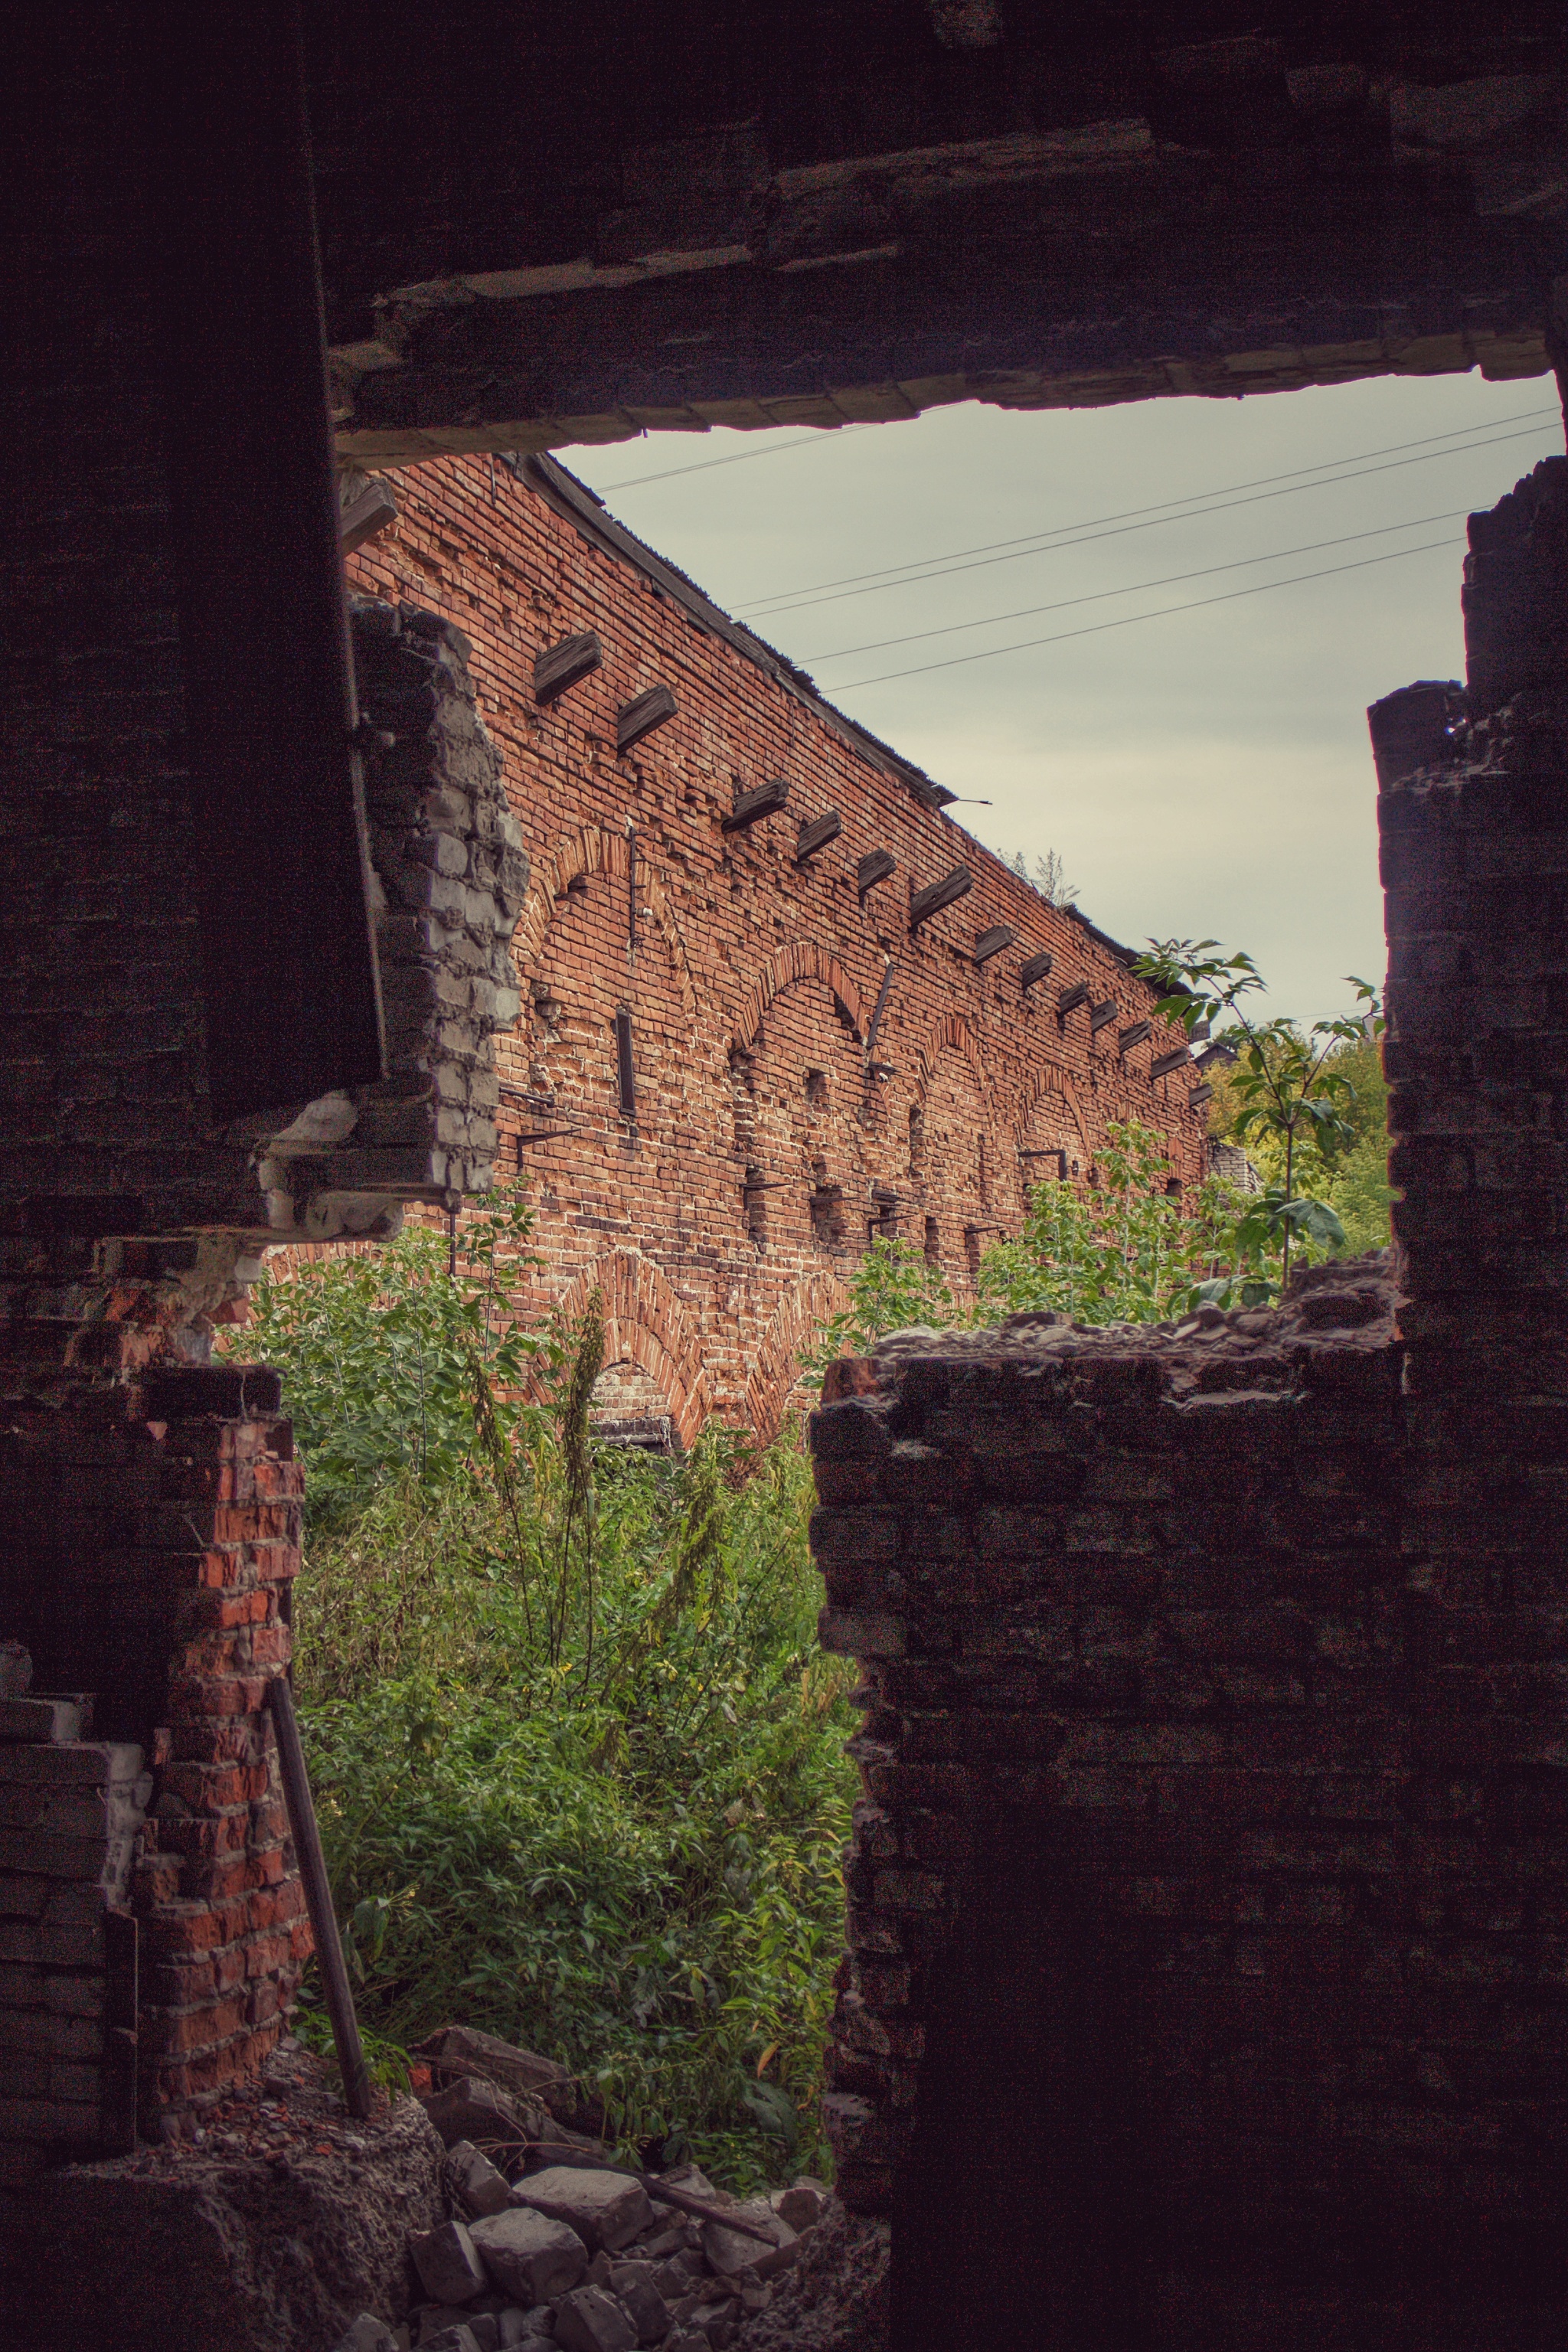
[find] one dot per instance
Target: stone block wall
(452, 874)
(71, 1811)
(1475, 864)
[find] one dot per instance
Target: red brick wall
(749, 971)
(153, 1514)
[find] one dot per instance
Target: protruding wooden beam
(937, 894)
(1134, 1034)
(1034, 968)
(640, 716)
(370, 511)
(874, 867)
(1164, 1063)
(764, 800)
(1199, 1097)
(1072, 998)
(818, 834)
(875, 1021)
(1100, 1017)
(565, 665)
(991, 942)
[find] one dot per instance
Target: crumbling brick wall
(1206, 1895)
(152, 1508)
(1129, 1608)
(771, 1131)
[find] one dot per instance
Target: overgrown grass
(577, 1758)
(623, 1852)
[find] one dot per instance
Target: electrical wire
(1193, 605)
(1142, 587)
(818, 440)
(1103, 526)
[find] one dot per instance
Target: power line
(818, 440)
(1099, 527)
(1126, 621)
(1240, 563)
(1221, 507)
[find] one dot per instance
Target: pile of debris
(548, 2240)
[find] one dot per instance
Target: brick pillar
(149, 1535)
(224, 1932)
(1474, 824)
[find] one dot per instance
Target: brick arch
(595, 849)
(1061, 1084)
(645, 1323)
(953, 1035)
(806, 960)
(801, 1311)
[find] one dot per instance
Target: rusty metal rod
(319, 1899)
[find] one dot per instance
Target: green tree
(577, 1758)
(1291, 1087)
(1356, 1184)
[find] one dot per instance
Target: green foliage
(1293, 1090)
(1125, 1251)
(578, 1761)
(894, 1287)
(624, 1853)
(1359, 1192)
(1355, 1183)
(383, 1355)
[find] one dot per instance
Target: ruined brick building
(773, 1001)
(1217, 1723)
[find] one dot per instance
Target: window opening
(827, 1212)
(933, 1243)
(625, 1073)
(754, 1200)
(883, 1222)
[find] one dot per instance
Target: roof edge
(584, 508)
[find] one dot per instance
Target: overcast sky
(1202, 773)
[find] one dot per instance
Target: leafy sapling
(1289, 1085)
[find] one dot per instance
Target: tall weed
(578, 1760)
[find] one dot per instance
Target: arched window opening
(629, 1409)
